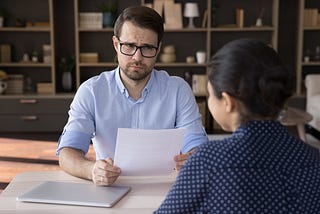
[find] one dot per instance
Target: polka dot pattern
(261, 168)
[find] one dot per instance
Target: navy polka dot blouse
(261, 168)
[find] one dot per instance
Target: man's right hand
(104, 173)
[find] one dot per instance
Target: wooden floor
(28, 152)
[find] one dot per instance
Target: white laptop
(84, 194)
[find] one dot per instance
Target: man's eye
(148, 48)
(129, 45)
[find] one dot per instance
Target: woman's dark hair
(141, 16)
(252, 72)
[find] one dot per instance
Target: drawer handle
(28, 101)
(29, 118)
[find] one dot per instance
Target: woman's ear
(229, 102)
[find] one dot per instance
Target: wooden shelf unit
(28, 39)
(308, 39)
(209, 38)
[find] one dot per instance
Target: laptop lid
(83, 194)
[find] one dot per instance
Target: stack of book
(89, 57)
(90, 20)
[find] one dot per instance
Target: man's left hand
(181, 159)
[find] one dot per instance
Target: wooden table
(146, 194)
(296, 117)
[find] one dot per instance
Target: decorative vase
(108, 19)
(67, 81)
(259, 22)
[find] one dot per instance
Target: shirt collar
(123, 89)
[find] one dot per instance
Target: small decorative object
(20, 23)
(67, 65)
(168, 54)
(46, 53)
(15, 84)
(3, 15)
(307, 55)
(1, 21)
(259, 21)
(25, 57)
(191, 11)
(29, 85)
(190, 59)
(317, 53)
(201, 56)
(109, 13)
(3, 81)
(35, 56)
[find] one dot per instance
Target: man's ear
(229, 102)
(115, 43)
(159, 48)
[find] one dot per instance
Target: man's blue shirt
(102, 105)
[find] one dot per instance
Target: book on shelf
(5, 53)
(90, 20)
(239, 17)
(310, 17)
(204, 19)
(158, 6)
(171, 13)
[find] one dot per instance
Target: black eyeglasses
(130, 49)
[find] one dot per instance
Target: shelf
(186, 30)
(25, 29)
(244, 29)
(310, 63)
(95, 30)
(312, 28)
(35, 96)
(99, 64)
(180, 64)
(25, 64)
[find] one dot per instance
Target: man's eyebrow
(133, 43)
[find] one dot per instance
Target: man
(134, 95)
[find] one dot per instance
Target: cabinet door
(33, 114)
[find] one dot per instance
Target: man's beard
(134, 74)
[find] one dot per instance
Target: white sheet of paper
(141, 152)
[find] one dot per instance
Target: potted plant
(67, 65)
(109, 12)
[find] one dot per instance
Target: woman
(261, 168)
